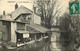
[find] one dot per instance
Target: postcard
(39, 25)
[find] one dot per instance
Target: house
(13, 30)
(22, 25)
(14, 23)
(32, 26)
(21, 17)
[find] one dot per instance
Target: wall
(20, 26)
(5, 35)
(0, 36)
(0, 30)
(37, 19)
(6, 30)
(0, 23)
(13, 33)
(32, 18)
(55, 36)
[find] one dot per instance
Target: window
(20, 26)
(24, 17)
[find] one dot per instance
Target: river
(56, 44)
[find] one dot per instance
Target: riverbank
(33, 47)
(29, 46)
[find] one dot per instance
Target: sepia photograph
(39, 25)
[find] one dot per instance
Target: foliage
(65, 22)
(71, 24)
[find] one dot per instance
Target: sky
(9, 5)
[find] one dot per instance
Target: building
(15, 24)
(22, 25)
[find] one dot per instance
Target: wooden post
(35, 40)
(35, 37)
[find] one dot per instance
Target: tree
(48, 9)
(65, 29)
(75, 29)
(65, 22)
(71, 24)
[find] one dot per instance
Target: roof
(22, 14)
(22, 31)
(7, 17)
(19, 11)
(11, 17)
(36, 15)
(55, 29)
(38, 28)
(12, 21)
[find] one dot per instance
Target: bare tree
(48, 9)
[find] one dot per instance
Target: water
(56, 44)
(53, 46)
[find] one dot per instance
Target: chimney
(34, 9)
(16, 6)
(3, 12)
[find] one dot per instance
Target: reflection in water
(41, 46)
(52, 47)
(55, 45)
